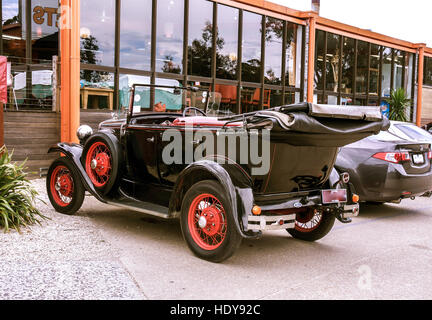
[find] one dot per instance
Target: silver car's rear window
(385, 136)
(414, 132)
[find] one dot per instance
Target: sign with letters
(44, 17)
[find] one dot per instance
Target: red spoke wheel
(101, 161)
(308, 220)
(61, 183)
(99, 164)
(64, 187)
(207, 222)
(312, 224)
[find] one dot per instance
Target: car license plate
(334, 196)
(418, 158)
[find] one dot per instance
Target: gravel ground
(64, 258)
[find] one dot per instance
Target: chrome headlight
(84, 132)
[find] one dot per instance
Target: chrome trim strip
(146, 211)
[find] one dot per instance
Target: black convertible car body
(225, 195)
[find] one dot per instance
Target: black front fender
(74, 151)
(232, 179)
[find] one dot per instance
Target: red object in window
(3, 79)
(3, 94)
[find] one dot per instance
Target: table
(100, 92)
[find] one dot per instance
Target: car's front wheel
(100, 159)
(312, 224)
(207, 222)
(64, 187)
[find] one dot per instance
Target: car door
(142, 140)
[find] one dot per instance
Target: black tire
(77, 193)
(114, 161)
(326, 223)
(227, 243)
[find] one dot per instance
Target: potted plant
(398, 102)
(17, 195)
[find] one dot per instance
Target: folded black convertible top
(309, 124)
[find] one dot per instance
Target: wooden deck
(29, 134)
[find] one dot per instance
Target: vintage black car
(226, 194)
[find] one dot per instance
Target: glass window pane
(319, 67)
(386, 72)
(214, 107)
(200, 37)
(97, 32)
(149, 99)
(273, 51)
(333, 100)
(250, 99)
(169, 48)
(362, 67)
(348, 66)
(272, 98)
(135, 34)
(409, 73)
(291, 98)
(293, 55)
(332, 58)
(374, 69)
(14, 44)
(428, 71)
(251, 47)
(398, 67)
(97, 90)
(227, 42)
(228, 95)
(45, 33)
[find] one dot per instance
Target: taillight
(393, 157)
(430, 155)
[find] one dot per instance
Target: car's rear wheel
(64, 187)
(101, 162)
(207, 222)
(312, 224)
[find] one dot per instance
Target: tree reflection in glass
(97, 32)
(200, 38)
(251, 47)
(332, 65)
(273, 50)
(169, 36)
(227, 42)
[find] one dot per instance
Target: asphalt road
(107, 253)
(386, 253)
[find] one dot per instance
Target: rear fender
(232, 178)
(73, 152)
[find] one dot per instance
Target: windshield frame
(133, 90)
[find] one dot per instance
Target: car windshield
(413, 132)
(172, 99)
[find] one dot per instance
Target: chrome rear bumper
(271, 222)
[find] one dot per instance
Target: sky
(403, 19)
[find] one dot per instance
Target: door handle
(151, 140)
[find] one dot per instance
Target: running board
(143, 207)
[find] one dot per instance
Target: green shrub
(17, 195)
(398, 102)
